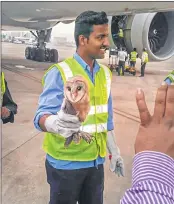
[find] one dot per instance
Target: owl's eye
(79, 88)
(69, 88)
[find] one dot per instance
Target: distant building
(11, 34)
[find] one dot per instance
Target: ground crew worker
(77, 173)
(8, 106)
(133, 58)
(122, 55)
(120, 33)
(121, 37)
(170, 78)
(144, 60)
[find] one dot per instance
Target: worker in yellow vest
(170, 78)
(8, 106)
(120, 33)
(133, 57)
(120, 38)
(76, 174)
(144, 60)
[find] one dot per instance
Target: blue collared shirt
(50, 103)
(168, 81)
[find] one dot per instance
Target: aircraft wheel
(27, 52)
(40, 55)
(33, 53)
(48, 54)
(53, 55)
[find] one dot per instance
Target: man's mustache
(105, 48)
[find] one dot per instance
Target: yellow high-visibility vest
(120, 33)
(95, 123)
(146, 57)
(171, 76)
(133, 56)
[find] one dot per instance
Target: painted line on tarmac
(21, 145)
(23, 67)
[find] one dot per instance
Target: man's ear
(82, 40)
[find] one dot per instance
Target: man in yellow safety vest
(120, 38)
(170, 78)
(76, 174)
(133, 57)
(8, 106)
(144, 60)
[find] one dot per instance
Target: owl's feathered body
(82, 108)
(77, 102)
(76, 92)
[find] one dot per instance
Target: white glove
(63, 124)
(116, 163)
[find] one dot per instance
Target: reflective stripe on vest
(108, 79)
(67, 70)
(133, 56)
(94, 128)
(98, 109)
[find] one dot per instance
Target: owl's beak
(74, 95)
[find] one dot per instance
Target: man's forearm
(42, 122)
(111, 143)
(152, 179)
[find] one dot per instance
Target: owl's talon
(76, 137)
(68, 141)
(86, 136)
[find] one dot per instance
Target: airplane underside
(144, 25)
(40, 52)
(153, 31)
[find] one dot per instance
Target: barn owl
(77, 102)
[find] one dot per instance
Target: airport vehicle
(145, 24)
(130, 70)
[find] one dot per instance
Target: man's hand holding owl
(63, 123)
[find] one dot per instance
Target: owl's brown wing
(68, 108)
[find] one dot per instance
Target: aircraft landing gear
(40, 52)
(41, 55)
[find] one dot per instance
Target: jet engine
(153, 31)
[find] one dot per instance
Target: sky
(64, 30)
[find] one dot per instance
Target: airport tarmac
(23, 171)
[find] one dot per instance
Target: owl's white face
(75, 89)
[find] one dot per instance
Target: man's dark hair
(85, 21)
(135, 49)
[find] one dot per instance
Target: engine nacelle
(153, 31)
